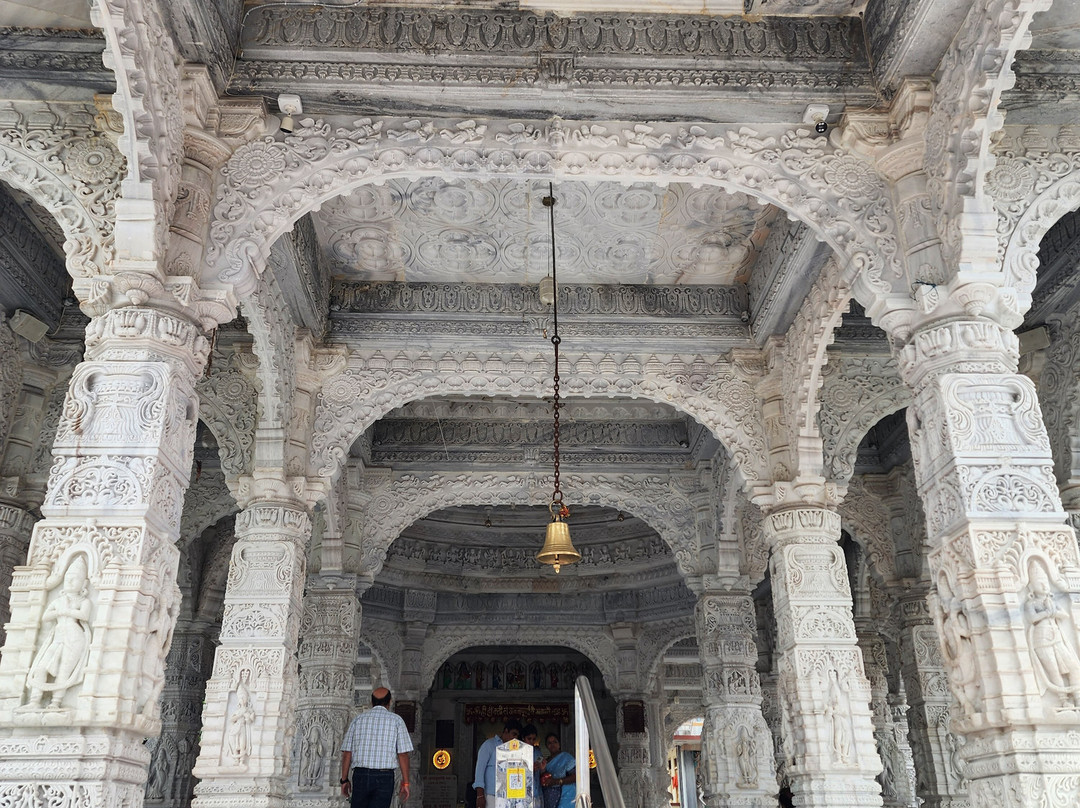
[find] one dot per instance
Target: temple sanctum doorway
(477, 689)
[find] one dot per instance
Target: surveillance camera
(820, 127)
(289, 105)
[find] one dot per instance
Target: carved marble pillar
(324, 709)
(736, 745)
(15, 527)
(172, 755)
(824, 694)
(633, 759)
(250, 712)
(938, 779)
(419, 614)
(93, 610)
(1004, 564)
(893, 777)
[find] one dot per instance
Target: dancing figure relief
(1048, 627)
(838, 714)
(958, 648)
(238, 731)
(60, 663)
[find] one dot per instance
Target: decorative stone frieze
(448, 31)
(718, 393)
(824, 694)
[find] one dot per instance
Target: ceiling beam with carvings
(423, 60)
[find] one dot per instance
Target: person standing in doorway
(373, 740)
(484, 780)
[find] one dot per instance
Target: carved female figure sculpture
(60, 663)
(746, 755)
(238, 734)
(838, 711)
(958, 648)
(1055, 659)
(312, 759)
(158, 642)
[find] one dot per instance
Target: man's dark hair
(528, 729)
(376, 702)
(512, 723)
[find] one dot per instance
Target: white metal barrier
(587, 726)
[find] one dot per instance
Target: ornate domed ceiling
(440, 229)
(470, 552)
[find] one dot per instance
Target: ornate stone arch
(207, 501)
(719, 394)
(140, 51)
(858, 391)
(269, 184)
(656, 642)
(1035, 181)
(386, 647)
(1059, 396)
(593, 642)
(227, 405)
(964, 113)
(399, 501)
(75, 175)
(868, 523)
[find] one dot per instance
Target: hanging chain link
(556, 494)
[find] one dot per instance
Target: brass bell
(558, 549)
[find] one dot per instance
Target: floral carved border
(857, 392)
(72, 173)
(394, 503)
(267, 185)
(718, 394)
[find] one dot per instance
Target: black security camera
(821, 127)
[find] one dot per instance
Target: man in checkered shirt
(373, 740)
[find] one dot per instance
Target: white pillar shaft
(823, 689)
(1004, 564)
(250, 711)
(93, 610)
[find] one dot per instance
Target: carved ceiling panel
(496, 231)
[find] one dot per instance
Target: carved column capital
(795, 525)
(957, 346)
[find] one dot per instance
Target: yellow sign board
(515, 783)
(441, 759)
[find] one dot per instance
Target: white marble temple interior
(276, 385)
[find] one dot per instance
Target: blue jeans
(372, 788)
